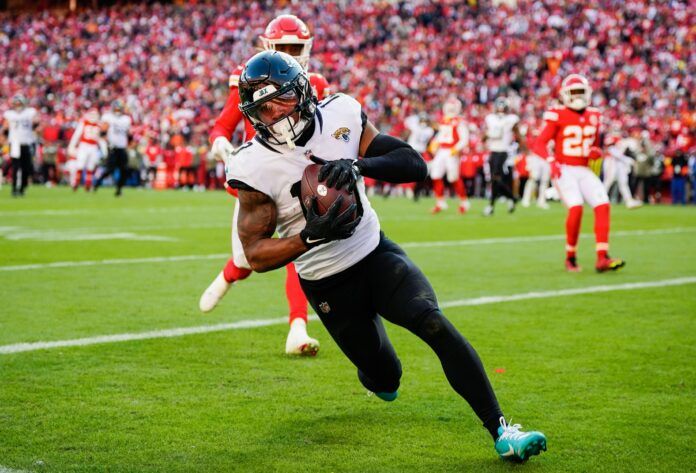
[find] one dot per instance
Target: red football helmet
(576, 92)
(289, 30)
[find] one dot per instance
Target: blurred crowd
(170, 65)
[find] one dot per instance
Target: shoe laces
(511, 431)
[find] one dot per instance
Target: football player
(349, 270)
(21, 122)
(451, 139)
(502, 132)
(117, 125)
(574, 128)
(288, 34)
(85, 149)
(618, 163)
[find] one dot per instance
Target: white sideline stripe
(246, 324)
(415, 244)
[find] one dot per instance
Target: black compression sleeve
(392, 160)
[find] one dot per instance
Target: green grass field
(610, 377)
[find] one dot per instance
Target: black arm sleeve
(392, 160)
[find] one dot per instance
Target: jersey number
(577, 140)
(445, 134)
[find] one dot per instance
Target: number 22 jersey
(574, 133)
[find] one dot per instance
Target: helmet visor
(274, 109)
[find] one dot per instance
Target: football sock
(601, 229)
(573, 230)
(460, 189)
(233, 273)
(438, 188)
(88, 179)
(297, 302)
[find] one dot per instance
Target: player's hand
(595, 153)
(555, 169)
(337, 174)
(331, 226)
(454, 152)
(222, 148)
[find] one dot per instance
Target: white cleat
(214, 293)
(298, 342)
(543, 205)
(634, 204)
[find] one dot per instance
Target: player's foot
(543, 205)
(633, 204)
(118, 193)
(515, 445)
(439, 207)
(464, 207)
(524, 203)
(298, 342)
(512, 204)
(389, 397)
(571, 265)
(214, 293)
(488, 211)
(609, 264)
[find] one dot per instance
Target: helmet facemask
(298, 48)
(280, 116)
(576, 92)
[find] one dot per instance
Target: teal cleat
(515, 445)
(389, 397)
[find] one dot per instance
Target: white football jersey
(499, 135)
(119, 126)
(21, 128)
(274, 170)
(420, 134)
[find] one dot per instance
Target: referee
(117, 135)
(19, 123)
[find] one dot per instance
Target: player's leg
(92, 161)
(545, 178)
(27, 166)
(609, 172)
(403, 295)
(453, 170)
(596, 196)
(16, 175)
(80, 163)
(122, 165)
(343, 305)
(622, 176)
(531, 184)
(568, 186)
(438, 169)
(236, 269)
(298, 341)
(106, 170)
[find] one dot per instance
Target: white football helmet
(576, 92)
(452, 107)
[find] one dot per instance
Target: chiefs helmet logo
(342, 133)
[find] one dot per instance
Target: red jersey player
(288, 34)
(450, 141)
(574, 127)
(85, 149)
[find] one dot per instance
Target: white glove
(222, 148)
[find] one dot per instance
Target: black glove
(339, 173)
(331, 226)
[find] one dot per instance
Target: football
(325, 195)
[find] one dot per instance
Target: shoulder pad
(551, 115)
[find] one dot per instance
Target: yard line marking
(522, 239)
(72, 264)
(247, 324)
(414, 244)
(4, 469)
(39, 235)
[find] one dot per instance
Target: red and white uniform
(451, 139)
(227, 123)
(575, 134)
(85, 143)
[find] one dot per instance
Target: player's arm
(257, 223)
(521, 140)
(75, 139)
(224, 127)
(463, 132)
(548, 132)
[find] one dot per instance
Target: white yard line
(246, 324)
(4, 469)
(415, 244)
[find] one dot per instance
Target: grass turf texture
(608, 377)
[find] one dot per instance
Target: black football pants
(388, 283)
(499, 184)
(22, 168)
(118, 159)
